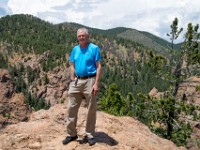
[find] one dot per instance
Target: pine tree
(174, 34)
(191, 46)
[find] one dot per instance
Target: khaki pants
(82, 90)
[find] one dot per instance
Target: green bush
(197, 88)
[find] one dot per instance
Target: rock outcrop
(187, 90)
(47, 128)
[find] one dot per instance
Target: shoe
(69, 139)
(91, 141)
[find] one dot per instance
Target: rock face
(154, 93)
(187, 90)
(55, 90)
(12, 107)
(47, 128)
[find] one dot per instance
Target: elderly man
(85, 72)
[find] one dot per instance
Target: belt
(86, 77)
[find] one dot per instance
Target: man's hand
(95, 89)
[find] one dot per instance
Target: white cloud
(154, 16)
(4, 9)
(33, 6)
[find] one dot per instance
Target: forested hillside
(121, 58)
(131, 69)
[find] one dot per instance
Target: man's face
(82, 37)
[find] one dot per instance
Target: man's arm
(97, 79)
(72, 71)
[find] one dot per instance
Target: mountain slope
(147, 41)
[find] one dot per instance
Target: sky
(153, 16)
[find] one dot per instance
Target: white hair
(83, 30)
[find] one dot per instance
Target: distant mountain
(145, 38)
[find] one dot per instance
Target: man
(85, 72)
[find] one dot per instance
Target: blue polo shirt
(85, 59)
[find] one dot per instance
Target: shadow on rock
(101, 137)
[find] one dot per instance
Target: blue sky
(154, 16)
